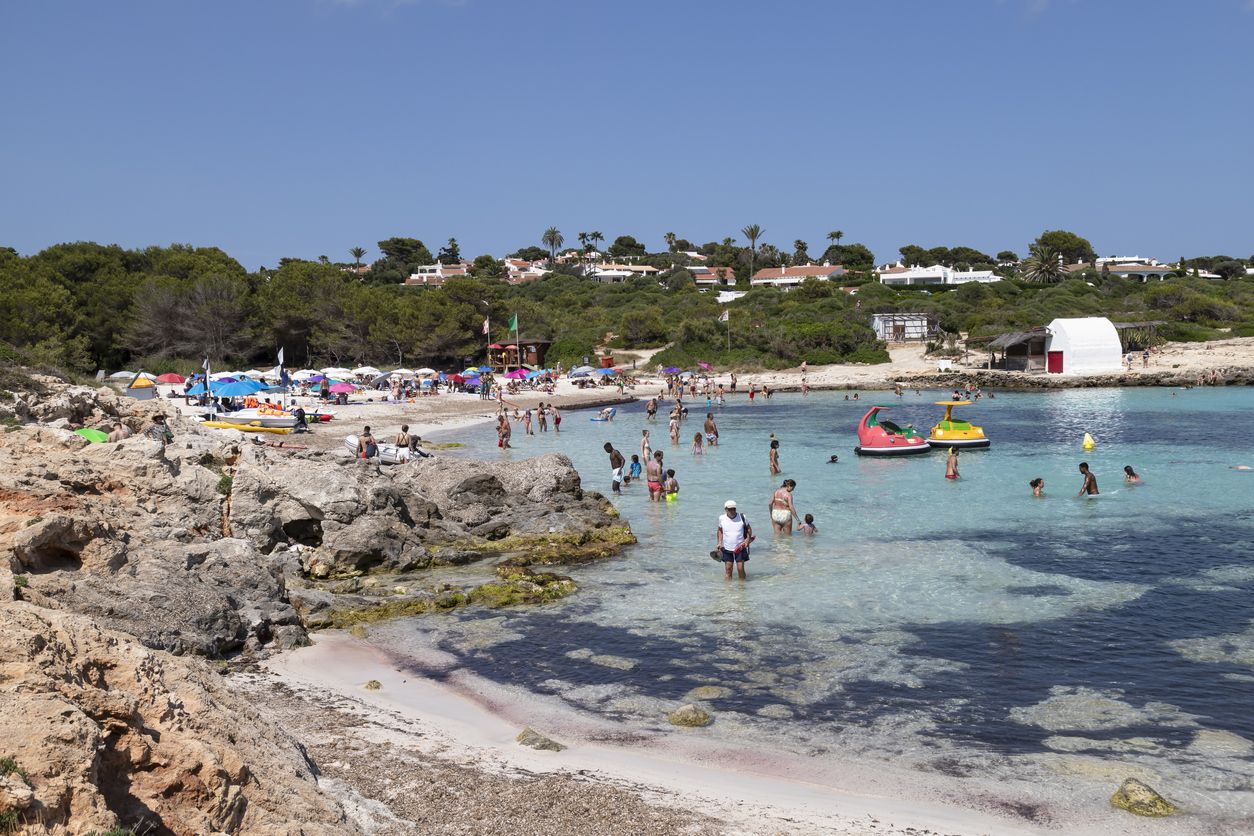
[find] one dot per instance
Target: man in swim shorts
(732, 539)
(951, 464)
(653, 475)
(711, 429)
(1090, 481)
(616, 468)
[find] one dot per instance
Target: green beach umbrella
(94, 436)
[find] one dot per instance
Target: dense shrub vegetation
(86, 306)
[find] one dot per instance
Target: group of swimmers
(1088, 487)
(543, 412)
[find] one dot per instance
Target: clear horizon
(302, 128)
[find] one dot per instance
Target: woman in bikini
(783, 512)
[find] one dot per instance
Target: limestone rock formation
(109, 733)
(691, 716)
(1141, 799)
(534, 740)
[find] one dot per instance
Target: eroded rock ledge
(213, 544)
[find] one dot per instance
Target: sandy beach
(380, 748)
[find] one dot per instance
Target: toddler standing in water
(633, 472)
(698, 445)
(808, 527)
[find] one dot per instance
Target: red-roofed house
(790, 277)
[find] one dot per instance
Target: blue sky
(304, 127)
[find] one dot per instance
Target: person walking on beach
(1090, 481)
(732, 538)
(711, 430)
(781, 507)
(653, 476)
(951, 464)
(616, 468)
(774, 457)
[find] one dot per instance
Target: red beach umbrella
(171, 377)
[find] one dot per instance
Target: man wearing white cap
(733, 536)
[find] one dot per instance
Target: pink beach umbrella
(343, 387)
(517, 374)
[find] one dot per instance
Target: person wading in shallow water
(616, 468)
(775, 457)
(1090, 481)
(783, 512)
(732, 538)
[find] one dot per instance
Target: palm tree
(553, 240)
(583, 240)
(753, 232)
(357, 253)
(596, 238)
(1043, 265)
(670, 239)
(835, 235)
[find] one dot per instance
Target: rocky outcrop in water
(101, 732)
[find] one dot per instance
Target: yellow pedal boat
(246, 428)
(954, 432)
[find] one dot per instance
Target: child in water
(698, 444)
(633, 471)
(1130, 476)
(808, 527)
(671, 486)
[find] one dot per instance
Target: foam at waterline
(1233, 649)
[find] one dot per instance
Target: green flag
(513, 323)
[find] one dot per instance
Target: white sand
(474, 722)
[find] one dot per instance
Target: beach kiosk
(1083, 345)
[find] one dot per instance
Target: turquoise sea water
(964, 627)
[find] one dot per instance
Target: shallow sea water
(964, 628)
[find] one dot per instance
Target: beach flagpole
(726, 317)
(208, 389)
(487, 332)
(513, 327)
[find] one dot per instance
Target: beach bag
(371, 450)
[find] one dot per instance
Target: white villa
(937, 274)
(434, 275)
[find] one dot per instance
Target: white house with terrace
(937, 274)
(789, 277)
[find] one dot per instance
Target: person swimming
(1038, 486)
(1130, 476)
(834, 459)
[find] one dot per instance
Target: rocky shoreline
(137, 572)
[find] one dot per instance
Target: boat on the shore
(388, 453)
(884, 438)
(257, 417)
(253, 427)
(954, 432)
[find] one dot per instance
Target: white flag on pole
(280, 357)
(725, 316)
(485, 325)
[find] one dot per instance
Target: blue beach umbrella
(604, 371)
(484, 369)
(240, 388)
(472, 381)
(198, 389)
